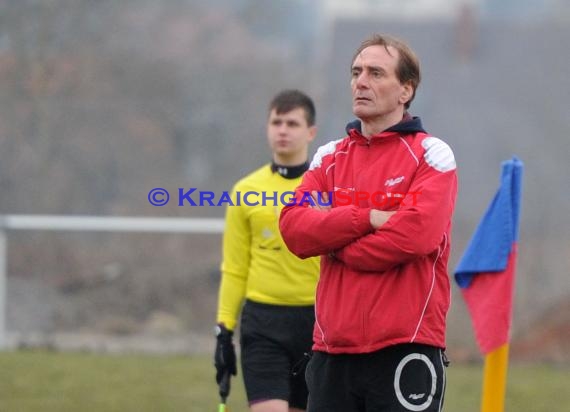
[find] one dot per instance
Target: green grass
(45, 381)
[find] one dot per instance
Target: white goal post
(89, 224)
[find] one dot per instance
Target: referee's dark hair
(288, 100)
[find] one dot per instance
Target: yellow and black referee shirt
(256, 263)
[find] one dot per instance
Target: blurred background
(101, 101)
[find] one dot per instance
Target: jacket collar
(408, 125)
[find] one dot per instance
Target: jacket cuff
(362, 220)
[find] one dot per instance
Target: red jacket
(386, 286)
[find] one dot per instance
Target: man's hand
(379, 217)
(321, 200)
(225, 355)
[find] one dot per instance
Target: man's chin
(282, 151)
(360, 111)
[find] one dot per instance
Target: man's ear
(312, 133)
(407, 93)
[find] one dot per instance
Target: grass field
(43, 381)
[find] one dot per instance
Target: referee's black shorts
(274, 339)
(399, 378)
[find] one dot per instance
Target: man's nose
(361, 81)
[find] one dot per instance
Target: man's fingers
(321, 200)
(315, 198)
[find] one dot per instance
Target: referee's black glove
(225, 355)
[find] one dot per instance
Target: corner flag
(486, 271)
(486, 274)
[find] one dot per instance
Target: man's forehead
(377, 53)
(297, 113)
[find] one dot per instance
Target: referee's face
(289, 136)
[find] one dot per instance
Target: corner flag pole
(495, 379)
